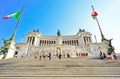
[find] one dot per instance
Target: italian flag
(15, 15)
(94, 15)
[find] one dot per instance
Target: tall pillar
(42, 42)
(77, 43)
(45, 42)
(74, 42)
(32, 41)
(84, 40)
(70, 42)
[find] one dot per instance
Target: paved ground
(81, 68)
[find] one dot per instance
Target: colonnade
(46, 42)
(71, 42)
(87, 40)
(31, 40)
(65, 42)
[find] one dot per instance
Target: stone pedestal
(59, 41)
(58, 45)
(11, 49)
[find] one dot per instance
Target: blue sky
(67, 15)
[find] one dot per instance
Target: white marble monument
(37, 44)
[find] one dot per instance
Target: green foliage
(3, 50)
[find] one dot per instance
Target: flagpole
(103, 38)
(12, 38)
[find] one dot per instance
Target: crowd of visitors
(49, 56)
(108, 56)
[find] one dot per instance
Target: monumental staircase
(66, 68)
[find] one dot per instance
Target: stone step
(61, 77)
(62, 71)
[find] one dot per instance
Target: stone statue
(111, 48)
(80, 30)
(110, 44)
(58, 33)
(37, 30)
